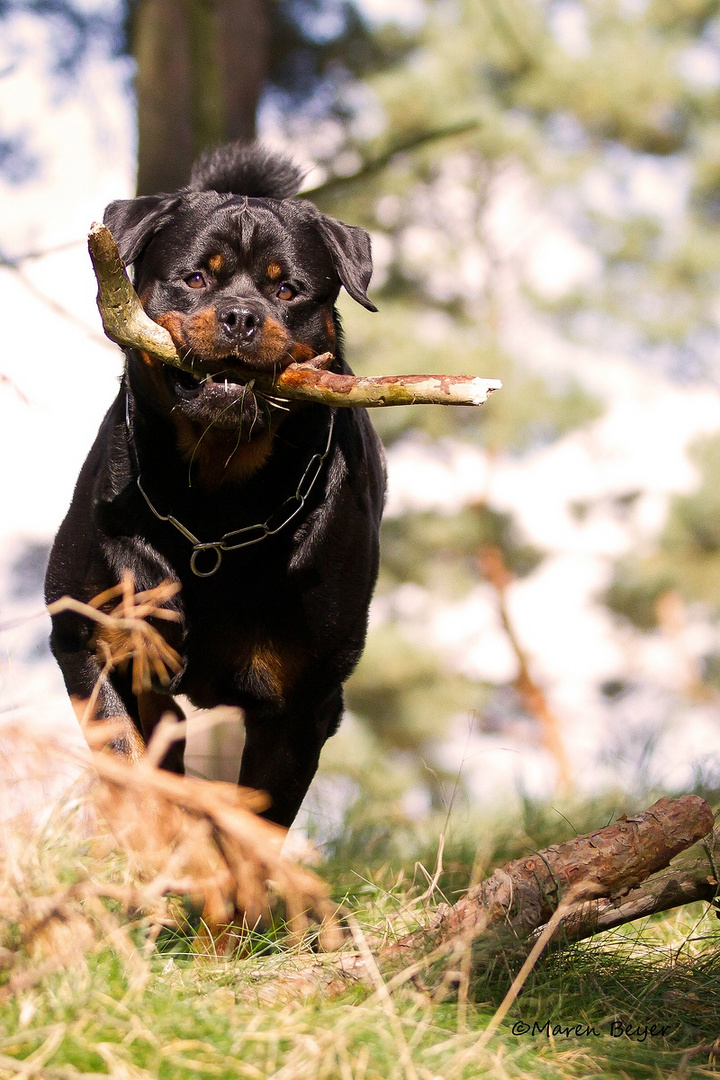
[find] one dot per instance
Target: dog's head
(243, 277)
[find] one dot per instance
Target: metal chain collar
(250, 534)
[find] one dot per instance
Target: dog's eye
(196, 280)
(286, 291)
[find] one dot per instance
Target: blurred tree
(201, 67)
(204, 65)
(576, 184)
(595, 125)
(686, 560)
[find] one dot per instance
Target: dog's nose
(241, 322)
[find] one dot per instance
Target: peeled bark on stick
(126, 323)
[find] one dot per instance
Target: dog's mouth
(226, 382)
(224, 398)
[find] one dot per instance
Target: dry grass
(90, 981)
(139, 938)
(130, 638)
(185, 835)
(181, 837)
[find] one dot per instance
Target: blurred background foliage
(456, 131)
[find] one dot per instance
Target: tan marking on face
(216, 263)
(274, 271)
(273, 344)
(299, 352)
(198, 331)
(173, 322)
(201, 333)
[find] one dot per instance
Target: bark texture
(525, 893)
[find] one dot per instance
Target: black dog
(266, 513)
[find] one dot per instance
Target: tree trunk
(201, 65)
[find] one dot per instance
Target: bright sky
(402, 11)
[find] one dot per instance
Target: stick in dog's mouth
(126, 323)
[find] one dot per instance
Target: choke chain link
(250, 534)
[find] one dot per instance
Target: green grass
(92, 996)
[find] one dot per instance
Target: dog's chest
(241, 651)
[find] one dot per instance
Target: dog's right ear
(134, 221)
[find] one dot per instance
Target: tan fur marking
(173, 323)
(273, 344)
(274, 271)
(330, 327)
(278, 665)
(216, 263)
(200, 332)
(220, 460)
(299, 352)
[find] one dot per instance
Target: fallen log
(605, 864)
(690, 876)
(631, 868)
(126, 323)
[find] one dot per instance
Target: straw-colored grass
(105, 968)
(150, 926)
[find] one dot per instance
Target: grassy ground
(92, 994)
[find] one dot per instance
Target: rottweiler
(265, 512)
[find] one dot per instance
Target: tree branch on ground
(126, 323)
(598, 868)
(652, 862)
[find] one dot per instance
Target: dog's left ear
(349, 247)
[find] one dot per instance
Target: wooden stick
(631, 868)
(523, 894)
(126, 323)
(689, 877)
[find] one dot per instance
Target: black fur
(246, 280)
(247, 170)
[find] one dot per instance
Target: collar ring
(200, 549)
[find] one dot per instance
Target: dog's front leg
(281, 753)
(98, 694)
(93, 696)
